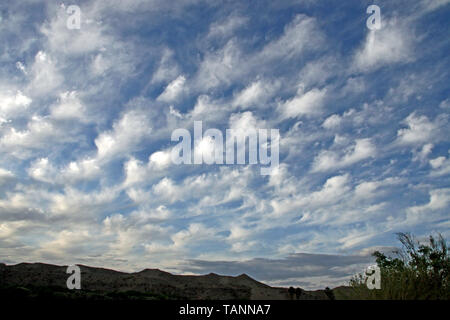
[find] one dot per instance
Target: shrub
(420, 271)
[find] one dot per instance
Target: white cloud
(439, 199)
(440, 166)
(90, 37)
(194, 233)
(245, 121)
(21, 67)
(127, 133)
(100, 64)
(220, 67)
(332, 160)
(69, 106)
(332, 190)
(40, 132)
(445, 104)
(422, 155)
(225, 28)
(42, 170)
(231, 63)
(256, 94)
(13, 105)
(304, 103)
(5, 175)
(208, 110)
(316, 73)
(167, 190)
(66, 242)
(301, 34)
(430, 5)
(160, 159)
(168, 68)
(357, 237)
(75, 204)
(332, 121)
(135, 172)
(420, 130)
(393, 43)
(174, 90)
(438, 162)
(45, 76)
(370, 189)
(85, 169)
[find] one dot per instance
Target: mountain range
(39, 280)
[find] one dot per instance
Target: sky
(86, 117)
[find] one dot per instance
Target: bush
(420, 271)
(329, 293)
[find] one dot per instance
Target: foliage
(329, 293)
(420, 271)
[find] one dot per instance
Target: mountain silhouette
(35, 280)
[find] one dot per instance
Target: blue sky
(86, 117)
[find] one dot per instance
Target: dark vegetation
(418, 271)
(297, 292)
(60, 293)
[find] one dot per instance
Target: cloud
(255, 94)
(13, 105)
(168, 68)
(393, 43)
(226, 27)
(297, 269)
(174, 90)
(89, 38)
(195, 231)
(45, 76)
(423, 154)
(332, 160)
(300, 35)
(332, 190)
(303, 104)
(332, 121)
(439, 199)
(220, 67)
(40, 133)
(43, 170)
(232, 63)
(430, 5)
(69, 107)
(126, 134)
(86, 117)
(5, 176)
(440, 166)
(369, 189)
(317, 72)
(445, 104)
(420, 130)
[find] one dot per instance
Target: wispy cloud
(86, 117)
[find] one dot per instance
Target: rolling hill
(39, 280)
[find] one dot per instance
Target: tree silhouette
(329, 293)
(291, 291)
(298, 293)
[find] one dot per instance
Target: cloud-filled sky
(86, 117)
